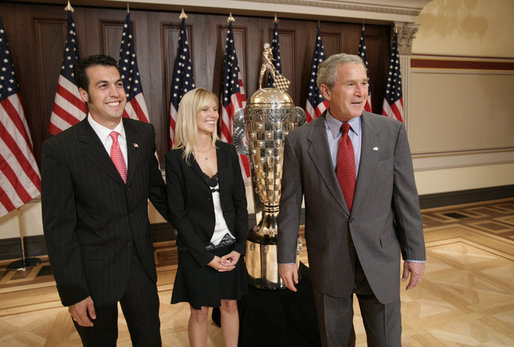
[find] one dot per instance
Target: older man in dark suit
(97, 177)
(354, 170)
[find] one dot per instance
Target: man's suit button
(129, 244)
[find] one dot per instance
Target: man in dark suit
(97, 177)
(354, 171)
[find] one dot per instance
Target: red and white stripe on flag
(136, 108)
(233, 97)
(393, 100)
(173, 123)
(237, 101)
(20, 180)
(69, 109)
(136, 105)
(364, 56)
(313, 113)
(183, 80)
(367, 106)
(394, 111)
(19, 174)
(315, 104)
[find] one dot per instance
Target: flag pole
(24, 262)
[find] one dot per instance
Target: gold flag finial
(276, 19)
(68, 7)
(128, 8)
(230, 18)
(183, 15)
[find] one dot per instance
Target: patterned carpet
(491, 218)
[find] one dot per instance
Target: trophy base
(261, 262)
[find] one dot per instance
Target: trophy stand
(259, 132)
(24, 263)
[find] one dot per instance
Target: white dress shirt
(104, 134)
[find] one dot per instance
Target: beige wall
(461, 121)
(478, 28)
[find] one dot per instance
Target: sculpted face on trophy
(259, 131)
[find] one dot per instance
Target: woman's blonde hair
(186, 128)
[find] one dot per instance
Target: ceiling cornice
(369, 11)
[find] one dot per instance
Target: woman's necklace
(204, 154)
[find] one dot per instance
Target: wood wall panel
(111, 38)
(331, 42)
(171, 34)
(37, 53)
(50, 38)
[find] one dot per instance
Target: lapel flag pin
(136, 145)
(375, 148)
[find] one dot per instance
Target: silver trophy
(268, 117)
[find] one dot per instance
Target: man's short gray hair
(327, 72)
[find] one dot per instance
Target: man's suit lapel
(95, 151)
(134, 148)
(369, 158)
(320, 156)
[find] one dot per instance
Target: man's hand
(83, 312)
(416, 271)
(289, 275)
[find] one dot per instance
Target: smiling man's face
(106, 97)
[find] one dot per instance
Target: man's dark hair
(79, 70)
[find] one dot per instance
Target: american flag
(275, 47)
(316, 104)
(364, 56)
(182, 78)
(136, 106)
(393, 102)
(233, 97)
(20, 180)
(69, 109)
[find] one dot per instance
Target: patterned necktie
(117, 156)
(346, 165)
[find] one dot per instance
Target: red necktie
(346, 165)
(117, 156)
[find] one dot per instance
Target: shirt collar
(334, 124)
(103, 132)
